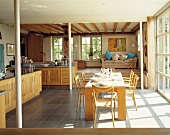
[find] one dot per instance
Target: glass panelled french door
(163, 53)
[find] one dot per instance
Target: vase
(91, 57)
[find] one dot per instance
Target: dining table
(115, 79)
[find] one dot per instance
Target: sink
(2, 75)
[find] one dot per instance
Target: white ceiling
(80, 11)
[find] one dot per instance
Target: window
(58, 48)
(85, 48)
(163, 53)
(96, 45)
(93, 42)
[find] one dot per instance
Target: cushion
(122, 58)
(108, 55)
(117, 55)
(131, 55)
(125, 56)
(103, 58)
(115, 58)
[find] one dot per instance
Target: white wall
(47, 49)
(8, 36)
(77, 47)
(129, 40)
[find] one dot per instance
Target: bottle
(55, 62)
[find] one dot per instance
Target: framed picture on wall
(10, 49)
(117, 44)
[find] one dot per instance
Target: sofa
(119, 60)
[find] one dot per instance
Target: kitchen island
(31, 85)
(2, 109)
(51, 74)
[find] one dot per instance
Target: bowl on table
(45, 65)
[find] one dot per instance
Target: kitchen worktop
(10, 74)
(2, 92)
(38, 65)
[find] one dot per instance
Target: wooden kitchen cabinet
(37, 83)
(10, 96)
(44, 76)
(13, 94)
(53, 77)
(2, 110)
(27, 87)
(57, 76)
(65, 75)
(31, 85)
(50, 76)
(35, 47)
(65, 79)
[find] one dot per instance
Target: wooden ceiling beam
(115, 26)
(125, 27)
(33, 28)
(76, 29)
(73, 31)
(41, 27)
(58, 27)
(105, 26)
(49, 27)
(84, 26)
(135, 28)
(95, 27)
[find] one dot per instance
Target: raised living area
(98, 67)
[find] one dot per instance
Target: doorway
(1, 57)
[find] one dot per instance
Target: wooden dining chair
(132, 88)
(103, 101)
(85, 80)
(86, 77)
(128, 80)
(80, 90)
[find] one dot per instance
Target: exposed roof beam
(34, 28)
(42, 27)
(76, 29)
(105, 27)
(135, 28)
(95, 27)
(115, 26)
(59, 27)
(84, 26)
(125, 27)
(49, 27)
(73, 31)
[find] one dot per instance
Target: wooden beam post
(151, 47)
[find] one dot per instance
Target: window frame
(91, 46)
(163, 54)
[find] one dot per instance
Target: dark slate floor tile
(54, 118)
(67, 124)
(48, 124)
(37, 117)
(85, 124)
(30, 124)
(60, 111)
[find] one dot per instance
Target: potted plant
(91, 54)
